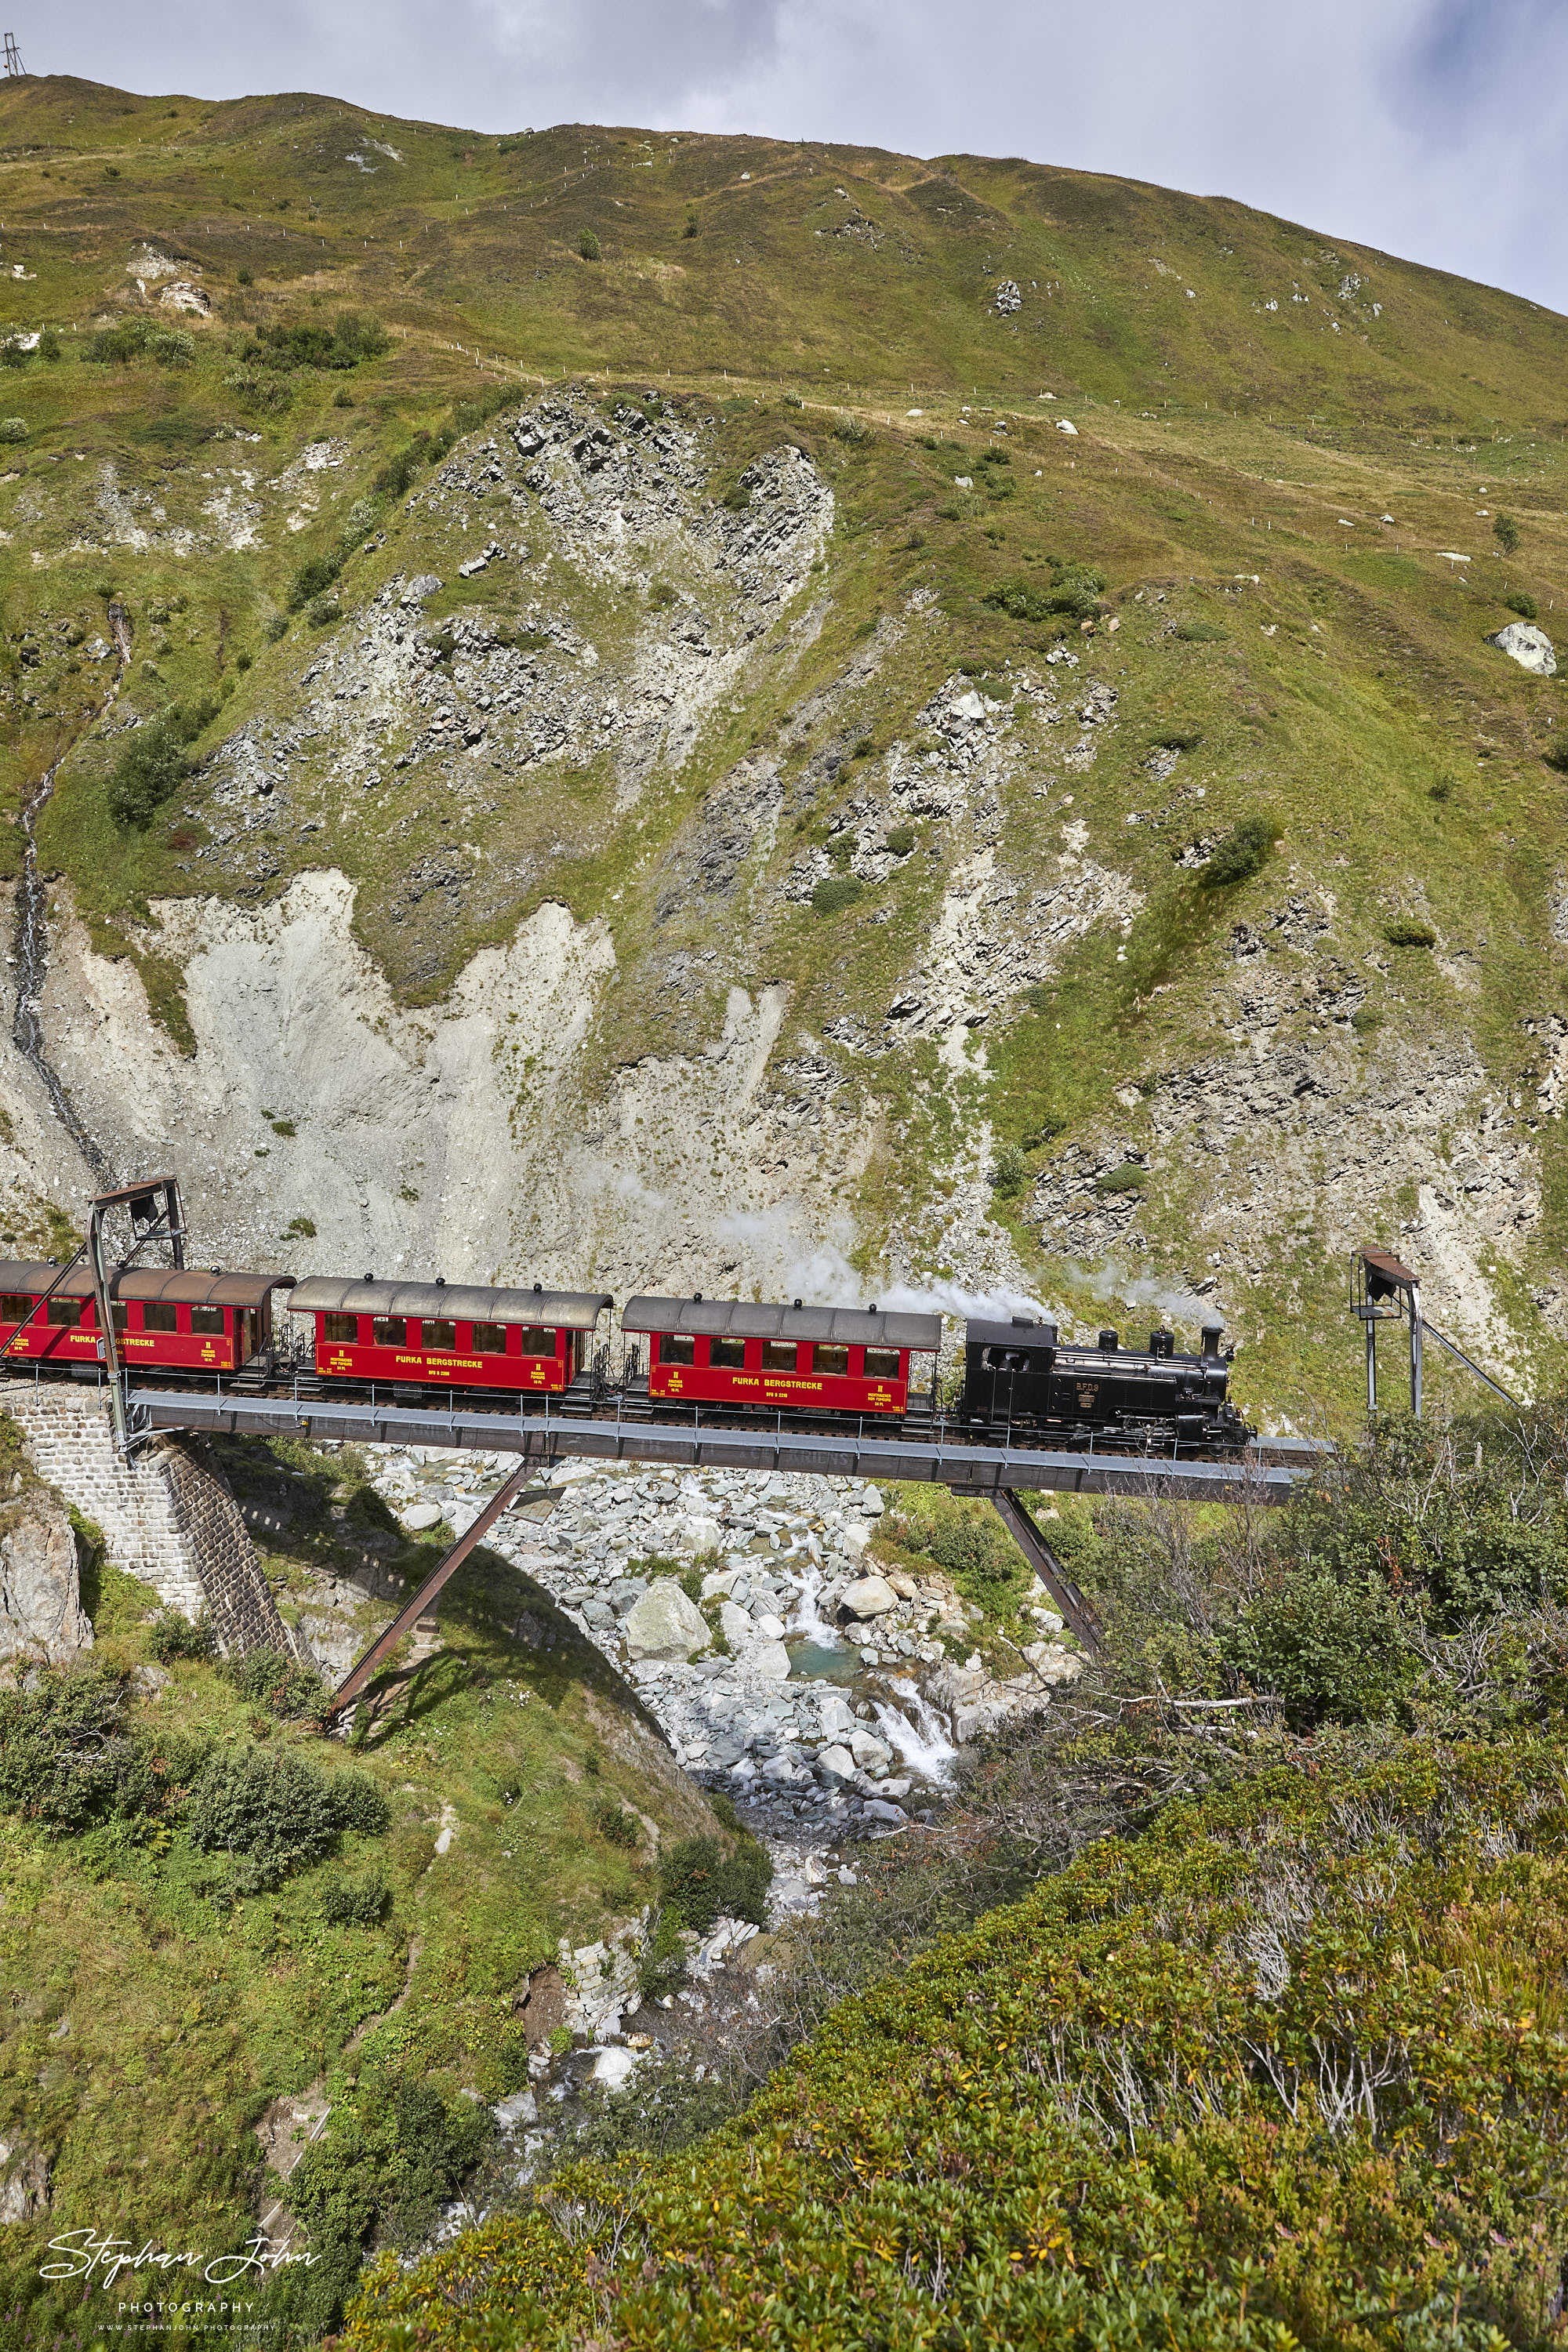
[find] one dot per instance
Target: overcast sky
(1434, 129)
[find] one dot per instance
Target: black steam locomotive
(1018, 1376)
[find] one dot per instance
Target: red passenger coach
(452, 1334)
(804, 1358)
(174, 1320)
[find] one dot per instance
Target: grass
(1333, 683)
(185, 2019)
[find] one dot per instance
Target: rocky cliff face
(41, 1615)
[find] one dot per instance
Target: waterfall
(917, 1731)
(806, 1623)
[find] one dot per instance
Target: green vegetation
(224, 1907)
(1223, 2008)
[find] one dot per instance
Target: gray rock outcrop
(665, 1624)
(1529, 646)
(40, 1597)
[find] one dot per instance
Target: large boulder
(737, 1625)
(40, 1597)
(768, 1662)
(665, 1624)
(869, 1596)
(1531, 647)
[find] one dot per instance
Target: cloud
(1429, 127)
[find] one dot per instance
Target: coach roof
(181, 1285)
(450, 1302)
(744, 1318)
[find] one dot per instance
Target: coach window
(489, 1338)
(440, 1335)
(778, 1355)
(829, 1360)
(881, 1363)
(119, 1314)
(729, 1353)
(389, 1332)
(65, 1314)
(677, 1347)
(538, 1340)
(15, 1306)
(208, 1319)
(339, 1330)
(157, 1315)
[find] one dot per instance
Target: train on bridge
(719, 1360)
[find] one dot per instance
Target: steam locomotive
(711, 1359)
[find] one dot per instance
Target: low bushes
(700, 1882)
(1239, 853)
(272, 1812)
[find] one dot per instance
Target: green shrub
(899, 841)
(1365, 1020)
(173, 348)
(853, 429)
(322, 611)
(171, 1636)
(1240, 853)
(353, 336)
(1075, 590)
(302, 1229)
(276, 627)
(13, 428)
(12, 355)
(1505, 530)
(1523, 604)
(1443, 788)
(1325, 1645)
(983, 1562)
(245, 276)
(615, 1821)
(354, 1902)
(315, 575)
(49, 345)
(271, 1813)
(700, 1882)
(792, 400)
(588, 245)
(1009, 1172)
(836, 892)
(150, 768)
(1409, 932)
(1177, 738)
(660, 597)
(1556, 756)
(395, 476)
(1129, 1178)
(272, 1679)
(69, 1759)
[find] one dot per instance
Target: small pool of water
(811, 1660)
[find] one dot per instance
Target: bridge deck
(935, 1457)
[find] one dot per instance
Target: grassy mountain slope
(1281, 451)
(169, 2000)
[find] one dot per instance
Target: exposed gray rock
(40, 1597)
(1531, 647)
(666, 1625)
(24, 2180)
(869, 1596)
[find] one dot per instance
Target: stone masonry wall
(167, 1513)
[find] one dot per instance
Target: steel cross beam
(931, 1459)
(364, 1669)
(1020, 1525)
